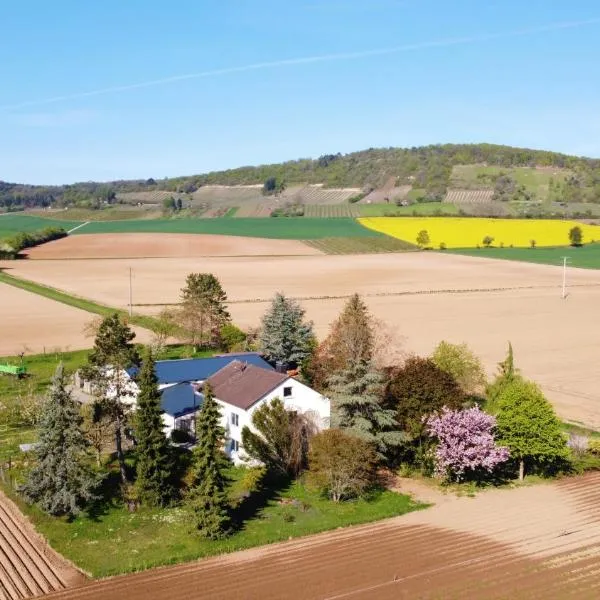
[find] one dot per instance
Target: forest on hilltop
(426, 167)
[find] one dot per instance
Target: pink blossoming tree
(465, 442)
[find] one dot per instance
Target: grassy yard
(113, 540)
(281, 228)
(585, 257)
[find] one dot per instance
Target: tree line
(11, 247)
(426, 167)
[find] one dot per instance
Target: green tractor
(18, 371)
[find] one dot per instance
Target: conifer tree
(285, 336)
(357, 406)
(507, 374)
(154, 465)
(207, 497)
(62, 482)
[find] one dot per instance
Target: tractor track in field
(28, 566)
(534, 542)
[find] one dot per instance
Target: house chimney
(280, 366)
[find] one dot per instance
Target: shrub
(341, 466)
(179, 436)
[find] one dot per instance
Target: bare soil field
(165, 245)
(424, 297)
(537, 542)
(28, 566)
(33, 324)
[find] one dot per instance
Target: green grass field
(117, 541)
(585, 257)
(301, 228)
(391, 210)
(13, 223)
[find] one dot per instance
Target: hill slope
(429, 171)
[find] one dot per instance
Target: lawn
(114, 540)
(585, 257)
(13, 223)
(456, 232)
(301, 228)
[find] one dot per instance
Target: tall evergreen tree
(154, 465)
(113, 352)
(507, 374)
(357, 406)
(62, 482)
(285, 336)
(207, 496)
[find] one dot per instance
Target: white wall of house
(295, 396)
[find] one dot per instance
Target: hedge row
(11, 247)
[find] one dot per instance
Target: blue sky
(377, 73)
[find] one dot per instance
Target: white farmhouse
(240, 388)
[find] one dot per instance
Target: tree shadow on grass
(251, 504)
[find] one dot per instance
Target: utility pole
(564, 281)
(130, 295)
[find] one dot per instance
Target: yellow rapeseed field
(457, 232)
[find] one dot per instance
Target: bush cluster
(29, 239)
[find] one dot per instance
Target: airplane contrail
(308, 60)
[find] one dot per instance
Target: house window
(235, 445)
(235, 419)
(287, 392)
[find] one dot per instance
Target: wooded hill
(428, 168)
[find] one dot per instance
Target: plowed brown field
(538, 542)
(32, 324)
(165, 245)
(28, 567)
(424, 297)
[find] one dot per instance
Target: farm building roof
(241, 384)
(199, 369)
(179, 399)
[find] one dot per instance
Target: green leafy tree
(279, 438)
(459, 361)
(207, 496)
(357, 407)
(423, 239)
(203, 311)
(285, 336)
(417, 390)
(341, 465)
(527, 425)
(232, 338)
(576, 236)
(113, 353)
(488, 240)
(154, 465)
(62, 482)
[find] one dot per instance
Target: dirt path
(28, 566)
(536, 542)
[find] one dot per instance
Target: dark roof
(179, 399)
(241, 384)
(199, 369)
